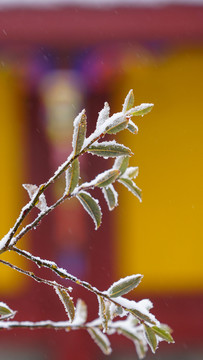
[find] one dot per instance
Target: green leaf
(72, 176)
(129, 101)
(140, 110)
(123, 286)
(103, 312)
(106, 178)
(131, 186)
(141, 316)
(141, 349)
(121, 163)
(132, 127)
(66, 301)
(111, 196)
(103, 115)
(101, 340)
(162, 333)
(109, 149)
(91, 206)
(79, 132)
(5, 310)
(118, 125)
(151, 337)
(132, 172)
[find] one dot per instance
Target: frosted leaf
(131, 172)
(103, 313)
(111, 196)
(141, 349)
(72, 176)
(121, 163)
(140, 110)
(5, 310)
(123, 286)
(105, 178)
(79, 132)
(109, 149)
(103, 115)
(129, 101)
(80, 313)
(101, 340)
(150, 337)
(66, 301)
(41, 204)
(132, 127)
(118, 123)
(131, 186)
(163, 333)
(91, 206)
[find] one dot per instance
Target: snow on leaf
(66, 301)
(129, 101)
(79, 132)
(123, 286)
(41, 204)
(80, 313)
(106, 178)
(121, 163)
(5, 309)
(131, 172)
(131, 186)
(163, 334)
(91, 206)
(150, 337)
(141, 349)
(109, 149)
(132, 127)
(140, 110)
(103, 313)
(118, 124)
(111, 196)
(101, 340)
(103, 115)
(72, 176)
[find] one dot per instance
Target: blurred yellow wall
(12, 164)
(162, 237)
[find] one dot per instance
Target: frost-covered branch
(116, 313)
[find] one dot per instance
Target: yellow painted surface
(12, 164)
(162, 238)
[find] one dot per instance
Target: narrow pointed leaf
(129, 101)
(162, 333)
(67, 302)
(132, 172)
(103, 115)
(72, 176)
(111, 196)
(141, 316)
(140, 110)
(103, 313)
(109, 149)
(131, 186)
(127, 333)
(106, 178)
(132, 127)
(41, 203)
(5, 309)
(80, 313)
(91, 206)
(79, 132)
(121, 163)
(123, 286)
(101, 340)
(119, 124)
(150, 337)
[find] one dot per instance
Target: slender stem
(33, 276)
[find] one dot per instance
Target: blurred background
(57, 57)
